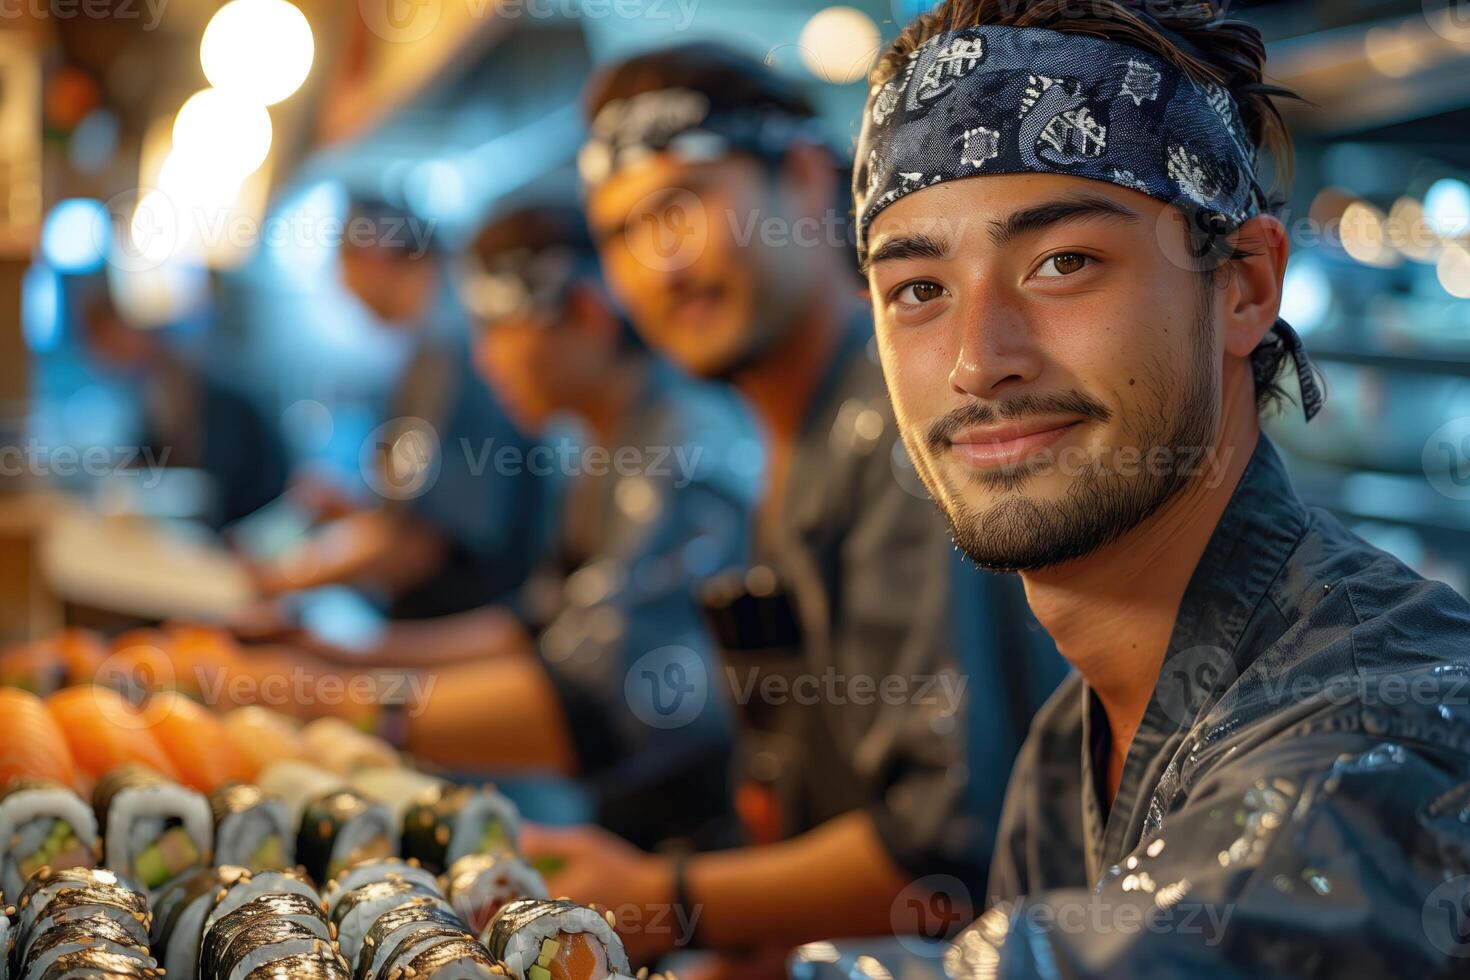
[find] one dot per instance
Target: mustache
(1014, 409)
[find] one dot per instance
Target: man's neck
(781, 384)
(607, 406)
(1112, 613)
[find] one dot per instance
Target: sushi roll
(342, 748)
(73, 934)
(365, 872)
(252, 936)
(98, 962)
(325, 965)
(555, 940)
(179, 912)
(250, 885)
(153, 830)
(400, 933)
(251, 828)
(453, 959)
(43, 823)
(356, 912)
(340, 829)
(477, 885)
(51, 892)
(442, 821)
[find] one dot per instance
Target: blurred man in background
(714, 205)
(189, 418)
(445, 535)
(653, 507)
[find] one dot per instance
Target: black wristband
(685, 910)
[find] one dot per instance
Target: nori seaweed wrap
(355, 913)
(251, 885)
(416, 921)
(326, 965)
(178, 919)
(97, 962)
(555, 940)
(252, 828)
(51, 893)
(450, 821)
(340, 829)
(386, 869)
(94, 929)
(253, 935)
(454, 959)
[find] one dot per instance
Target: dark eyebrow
(907, 247)
(1024, 222)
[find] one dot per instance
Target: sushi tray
(146, 834)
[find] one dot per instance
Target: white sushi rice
(26, 817)
(270, 952)
(352, 929)
(524, 946)
(469, 824)
(139, 814)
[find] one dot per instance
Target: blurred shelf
(1452, 365)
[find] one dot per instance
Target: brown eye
(921, 292)
(1063, 264)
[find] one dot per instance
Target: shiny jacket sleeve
(1338, 848)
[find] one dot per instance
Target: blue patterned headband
(1007, 100)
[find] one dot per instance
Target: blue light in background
(75, 236)
(1306, 294)
(41, 308)
(1447, 207)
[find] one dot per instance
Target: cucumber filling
(269, 855)
(570, 956)
(173, 853)
(60, 849)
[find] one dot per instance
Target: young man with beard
(1263, 767)
(715, 206)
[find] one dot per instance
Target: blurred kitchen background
(130, 125)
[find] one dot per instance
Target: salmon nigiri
(265, 736)
(197, 742)
(104, 731)
(34, 746)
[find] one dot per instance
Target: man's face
(679, 252)
(1046, 358)
(398, 288)
(540, 365)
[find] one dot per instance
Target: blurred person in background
(652, 507)
(847, 798)
(444, 534)
(189, 418)
(1261, 766)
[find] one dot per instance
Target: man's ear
(811, 176)
(1252, 299)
